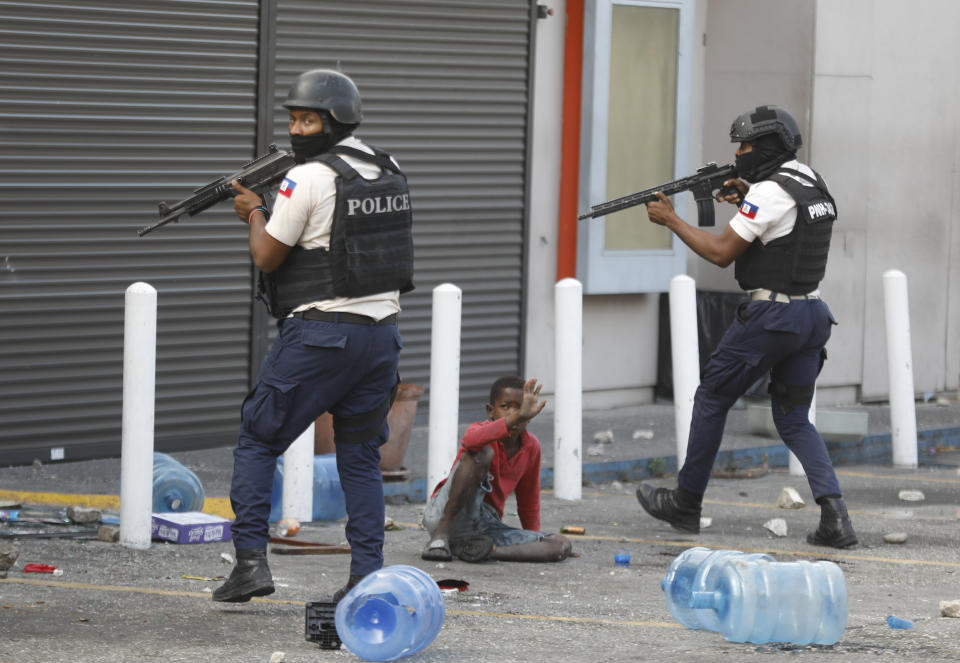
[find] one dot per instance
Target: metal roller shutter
(446, 89)
(107, 107)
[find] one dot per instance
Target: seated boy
(496, 457)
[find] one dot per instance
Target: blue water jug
(175, 488)
(694, 570)
(761, 601)
(393, 612)
(328, 500)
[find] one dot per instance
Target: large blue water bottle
(328, 500)
(694, 570)
(175, 488)
(393, 612)
(759, 601)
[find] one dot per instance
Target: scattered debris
(278, 657)
(616, 485)
(897, 623)
(390, 526)
(705, 522)
(288, 527)
(214, 578)
(950, 608)
(603, 437)
(8, 556)
(911, 495)
(226, 558)
(572, 529)
(108, 533)
(895, 537)
(790, 499)
(642, 434)
(595, 450)
(39, 568)
(83, 514)
(454, 584)
(776, 526)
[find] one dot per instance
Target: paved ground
(117, 604)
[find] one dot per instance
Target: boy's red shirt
(520, 474)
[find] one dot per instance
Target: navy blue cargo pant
(313, 367)
(787, 340)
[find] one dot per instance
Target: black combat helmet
(765, 120)
(327, 90)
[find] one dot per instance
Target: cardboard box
(190, 527)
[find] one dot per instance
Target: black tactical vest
(371, 240)
(795, 263)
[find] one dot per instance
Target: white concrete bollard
(796, 469)
(298, 478)
(568, 393)
(137, 417)
(903, 415)
(443, 425)
(685, 356)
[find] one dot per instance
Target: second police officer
(334, 253)
(779, 241)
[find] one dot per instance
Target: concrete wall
(875, 89)
(885, 125)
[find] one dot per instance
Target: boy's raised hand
(529, 407)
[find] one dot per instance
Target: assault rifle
(702, 184)
(258, 175)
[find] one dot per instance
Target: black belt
(351, 318)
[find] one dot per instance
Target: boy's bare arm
(530, 406)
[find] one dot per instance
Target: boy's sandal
(437, 550)
(472, 548)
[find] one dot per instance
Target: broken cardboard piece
(190, 527)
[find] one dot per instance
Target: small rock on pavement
(8, 555)
(108, 533)
(603, 437)
(776, 526)
(895, 537)
(226, 558)
(911, 495)
(642, 434)
(278, 657)
(950, 608)
(705, 522)
(790, 499)
(83, 514)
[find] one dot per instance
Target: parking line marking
(217, 506)
(204, 595)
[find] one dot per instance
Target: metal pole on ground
(298, 478)
(685, 356)
(903, 415)
(136, 436)
(443, 426)
(568, 393)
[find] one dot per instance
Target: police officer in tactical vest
(334, 254)
(779, 240)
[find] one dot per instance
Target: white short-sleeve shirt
(303, 216)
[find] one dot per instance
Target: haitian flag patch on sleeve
(287, 187)
(747, 208)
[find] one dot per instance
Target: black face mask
(763, 160)
(305, 147)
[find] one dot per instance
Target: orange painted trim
(570, 142)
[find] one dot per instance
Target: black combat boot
(835, 528)
(250, 577)
(678, 507)
(340, 593)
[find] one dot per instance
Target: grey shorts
(476, 517)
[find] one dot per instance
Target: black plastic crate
(320, 623)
